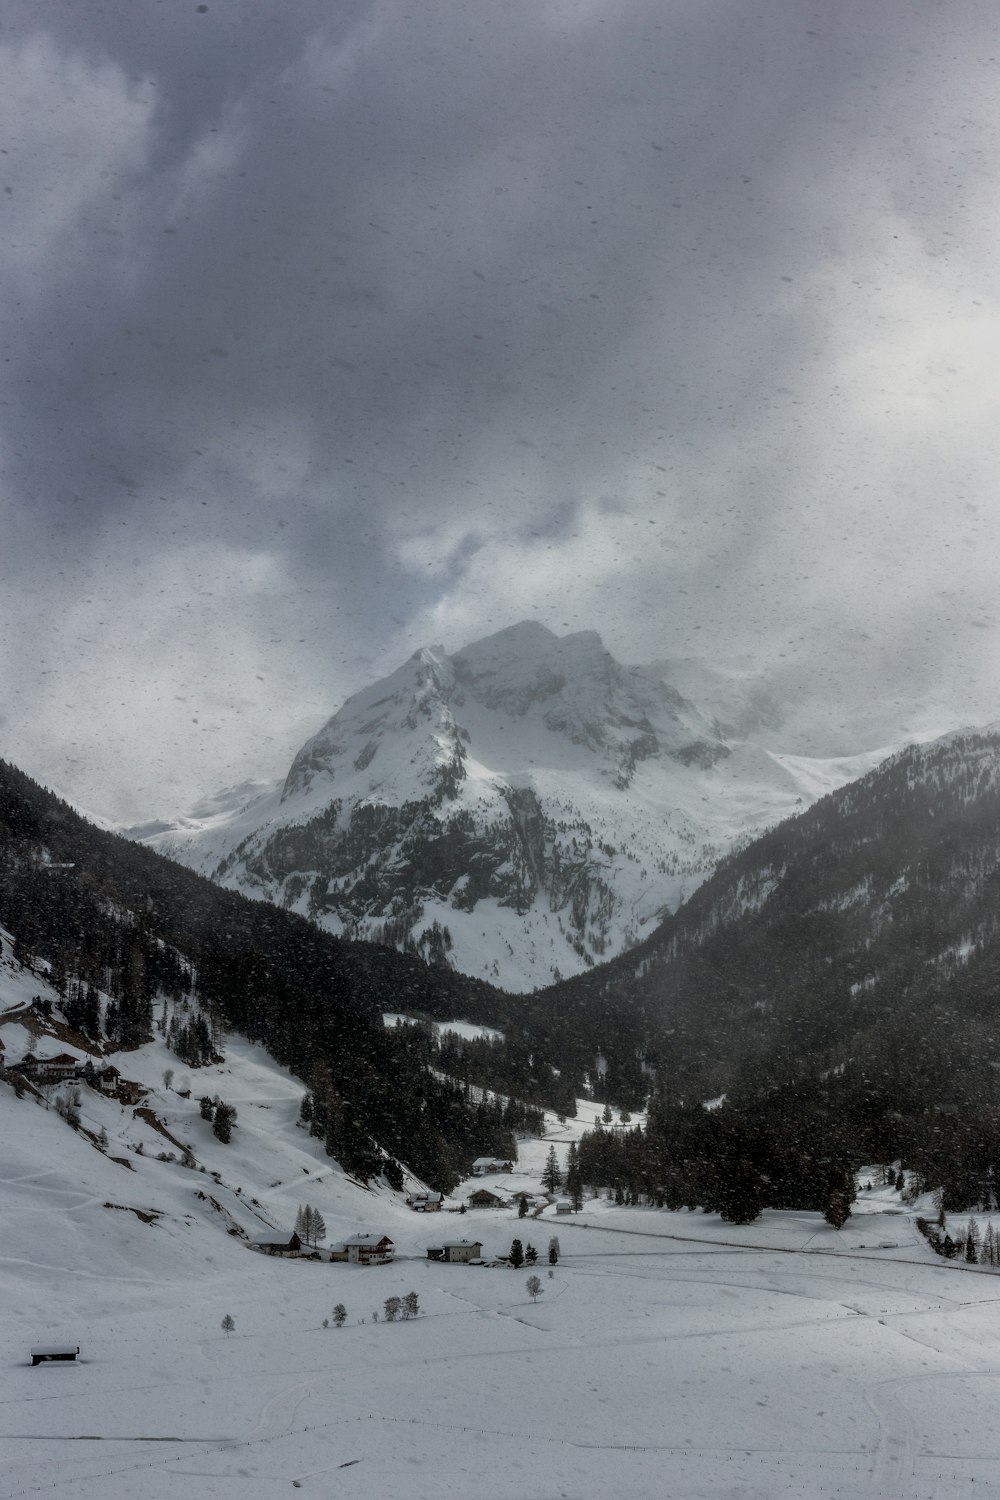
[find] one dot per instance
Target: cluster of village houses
(371, 1250)
(377, 1249)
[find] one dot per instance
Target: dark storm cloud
(332, 328)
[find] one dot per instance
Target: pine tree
(838, 1208)
(516, 1256)
(222, 1125)
(972, 1242)
(522, 1208)
(553, 1251)
(309, 1225)
(840, 1194)
(574, 1181)
(551, 1176)
(738, 1191)
(228, 1324)
(531, 1255)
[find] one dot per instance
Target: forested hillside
(837, 981)
(109, 915)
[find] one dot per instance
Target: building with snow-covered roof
(369, 1249)
(289, 1247)
(483, 1198)
(425, 1202)
(456, 1252)
(43, 1352)
(49, 1069)
(460, 1252)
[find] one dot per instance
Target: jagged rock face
(520, 809)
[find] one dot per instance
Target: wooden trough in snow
(46, 1352)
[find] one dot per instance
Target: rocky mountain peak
(520, 808)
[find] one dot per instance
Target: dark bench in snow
(53, 1351)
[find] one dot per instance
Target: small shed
(564, 1205)
(44, 1352)
(288, 1248)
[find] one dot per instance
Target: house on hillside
(484, 1165)
(287, 1248)
(483, 1198)
(425, 1202)
(49, 1069)
(369, 1249)
(107, 1078)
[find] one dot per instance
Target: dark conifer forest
(108, 914)
(837, 982)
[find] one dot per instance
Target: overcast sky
(332, 330)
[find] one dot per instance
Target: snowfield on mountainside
(521, 809)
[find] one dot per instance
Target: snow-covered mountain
(520, 809)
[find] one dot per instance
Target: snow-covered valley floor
(668, 1354)
(649, 1366)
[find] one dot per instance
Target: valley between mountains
(764, 1137)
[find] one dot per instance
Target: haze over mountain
(519, 809)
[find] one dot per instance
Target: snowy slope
(521, 809)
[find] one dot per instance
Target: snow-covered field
(647, 1367)
(468, 1030)
(667, 1355)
